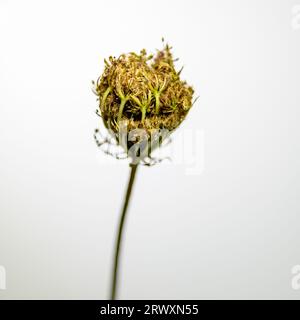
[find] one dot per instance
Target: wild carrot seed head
(142, 91)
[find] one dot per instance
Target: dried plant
(141, 101)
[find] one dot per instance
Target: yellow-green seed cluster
(143, 92)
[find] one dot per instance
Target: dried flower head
(142, 93)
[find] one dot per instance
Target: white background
(231, 232)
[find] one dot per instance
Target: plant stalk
(114, 284)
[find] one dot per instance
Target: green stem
(144, 110)
(157, 102)
(122, 105)
(114, 283)
(105, 94)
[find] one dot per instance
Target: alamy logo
(2, 278)
(296, 277)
